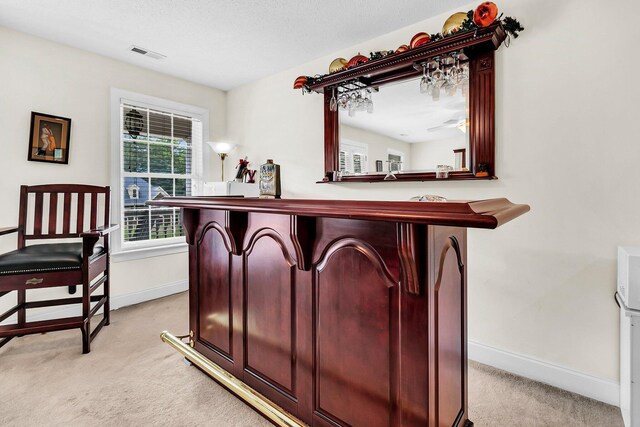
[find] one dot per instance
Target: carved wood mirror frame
(479, 46)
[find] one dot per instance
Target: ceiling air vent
(146, 52)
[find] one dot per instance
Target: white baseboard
(118, 301)
(577, 382)
(149, 294)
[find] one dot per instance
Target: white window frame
(394, 152)
(148, 248)
(352, 147)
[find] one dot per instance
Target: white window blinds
(157, 159)
(353, 157)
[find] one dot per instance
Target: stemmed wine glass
(352, 104)
(446, 73)
(369, 102)
(425, 82)
(390, 175)
(333, 104)
(438, 79)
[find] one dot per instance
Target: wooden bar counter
(343, 313)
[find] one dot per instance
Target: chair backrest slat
(107, 208)
(80, 214)
(22, 215)
(66, 214)
(37, 215)
(53, 213)
(94, 210)
(56, 230)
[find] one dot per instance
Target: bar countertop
(490, 213)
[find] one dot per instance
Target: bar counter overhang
(342, 313)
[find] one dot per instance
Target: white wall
(38, 75)
(430, 154)
(566, 106)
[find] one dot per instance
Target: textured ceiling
(219, 43)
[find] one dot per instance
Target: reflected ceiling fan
(461, 124)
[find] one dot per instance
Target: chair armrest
(100, 231)
(8, 230)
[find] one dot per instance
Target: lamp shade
(221, 147)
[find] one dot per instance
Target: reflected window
(354, 157)
(395, 159)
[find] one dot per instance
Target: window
(353, 157)
(159, 145)
(395, 159)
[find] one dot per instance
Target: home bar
(334, 312)
(354, 313)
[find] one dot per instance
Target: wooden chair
(62, 210)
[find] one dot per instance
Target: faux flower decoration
(485, 15)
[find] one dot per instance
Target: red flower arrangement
(242, 168)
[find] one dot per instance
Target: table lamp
(222, 149)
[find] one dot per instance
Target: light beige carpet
(131, 378)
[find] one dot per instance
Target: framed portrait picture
(49, 138)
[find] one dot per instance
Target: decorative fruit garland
(484, 15)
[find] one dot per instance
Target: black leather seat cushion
(45, 258)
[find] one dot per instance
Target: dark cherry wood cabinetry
(342, 313)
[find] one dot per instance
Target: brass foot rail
(254, 399)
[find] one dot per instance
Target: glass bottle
(270, 180)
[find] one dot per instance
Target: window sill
(151, 252)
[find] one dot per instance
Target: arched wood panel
(270, 312)
(449, 325)
(354, 328)
(215, 320)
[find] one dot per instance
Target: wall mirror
(381, 119)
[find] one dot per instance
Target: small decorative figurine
(270, 180)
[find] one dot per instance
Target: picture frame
(49, 138)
